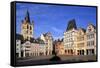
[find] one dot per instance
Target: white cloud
(57, 30)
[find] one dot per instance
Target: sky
(54, 18)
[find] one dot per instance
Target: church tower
(27, 27)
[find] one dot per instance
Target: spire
(27, 18)
(71, 25)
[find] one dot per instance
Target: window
(71, 39)
(87, 52)
(30, 32)
(88, 43)
(92, 35)
(17, 41)
(17, 49)
(82, 52)
(17, 44)
(27, 31)
(92, 42)
(71, 34)
(65, 51)
(78, 52)
(82, 38)
(68, 51)
(30, 28)
(92, 51)
(71, 51)
(89, 29)
(27, 26)
(88, 36)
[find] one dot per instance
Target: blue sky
(54, 18)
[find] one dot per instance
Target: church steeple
(27, 17)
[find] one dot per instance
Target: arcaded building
(79, 41)
(27, 45)
(91, 40)
(70, 38)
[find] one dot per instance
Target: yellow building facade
(27, 27)
(81, 42)
(59, 48)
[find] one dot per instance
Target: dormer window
(89, 29)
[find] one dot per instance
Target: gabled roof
(83, 29)
(38, 40)
(93, 26)
(19, 37)
(32, 40)
(47, 34)
(71, 25)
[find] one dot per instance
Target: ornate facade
(70, 38)
(91, 40)
(35, 48)
(75, 41)
(28, 46)
(80, 41)
(48, 40)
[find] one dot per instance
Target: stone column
(38, 53)
(95, 51)
(84, 51)
(24, 53)
(19, 54)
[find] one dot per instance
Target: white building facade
(18, 48)
(91, 40)
(70, 42)
(48, 40)
(30, 49)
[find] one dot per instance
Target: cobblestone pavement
(46, 60)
